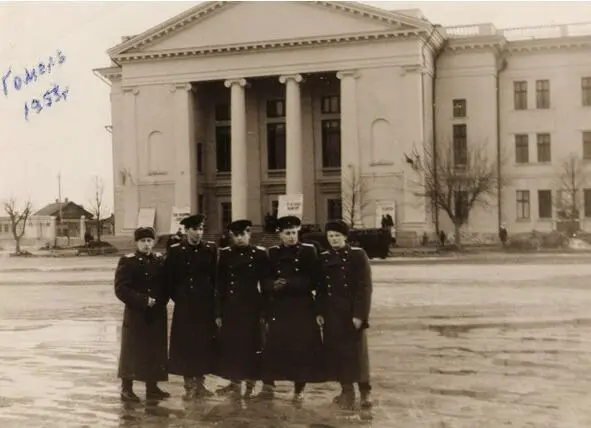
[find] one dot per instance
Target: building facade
(225, 107)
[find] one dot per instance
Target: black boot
(365, 393)
(127, 393)
(155, 393)
(298, 391)
(189, 384)
(346, 399)
(248, 389)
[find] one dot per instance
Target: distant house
(67, 214)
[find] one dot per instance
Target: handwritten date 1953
(50, 97)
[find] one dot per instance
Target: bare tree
(572, 178)
(18, 220)
(456, 182)
(97, 207)
(354, 197)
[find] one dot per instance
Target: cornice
(204, 10)
(541, 45)
(110, 73)
(496, 43)
(266, 46)
(173, 24)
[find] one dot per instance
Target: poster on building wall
(291, 205)
(385, 208)
(146, 217)
(178, 214)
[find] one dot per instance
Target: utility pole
(59, 193)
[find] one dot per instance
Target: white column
(185, 184)
(350, 152)
(129, 162)
(239, 178)
(294, 159)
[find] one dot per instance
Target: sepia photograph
(295, 214)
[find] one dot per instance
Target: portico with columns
(225, 122)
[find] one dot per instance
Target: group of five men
(246, 313)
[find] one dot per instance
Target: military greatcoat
(293, 350)
(346, 294)
(191, 274)
(239, 303)
(144, 334)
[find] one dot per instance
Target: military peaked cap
(239, 226)
(287, 222)
(195, 220)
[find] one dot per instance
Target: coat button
(231, 282)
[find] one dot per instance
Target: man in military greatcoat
(140, 284)
(293, 349)
(191, 272)
(345, 299)
(242, 268)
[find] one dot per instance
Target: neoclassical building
(230, 104)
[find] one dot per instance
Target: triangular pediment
(240, 23)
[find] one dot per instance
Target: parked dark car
(376, 242)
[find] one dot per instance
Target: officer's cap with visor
(337, 226)
(193, 221)
(240, 226)
(288, 222)
(144, 232)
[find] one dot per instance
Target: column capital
(187, 87)
(295, 77)
(347, 73)
(230, 82)
(131, 90)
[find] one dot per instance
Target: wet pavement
(451, 345)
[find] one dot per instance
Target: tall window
(334, 208)
(544, 150)
(460, 141)
(275, 109)
(223, 138)
(274, 207)
(461, 204)
(222, 112)
(587, 202)
(522, 204)
(275, 146)
(545, 203)
(459, 107)
(520, 95)
(331, 143)
(201, 203)
(586, 90)
(330, 104)
(199, 158)
(521, 148)
(587, 145)
(276, 134)
(223, 148)
(542, 94)
(226, 208)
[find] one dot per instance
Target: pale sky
(70, 135)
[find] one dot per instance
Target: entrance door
(334, 208)
(226, 217)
